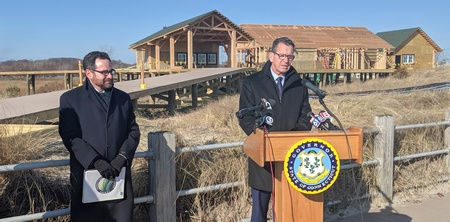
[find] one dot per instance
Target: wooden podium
(291, 204)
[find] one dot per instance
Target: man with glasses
(279, 81)
(98, 127)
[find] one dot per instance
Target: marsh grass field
(39, 190)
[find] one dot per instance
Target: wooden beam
(172, 52)
(190, 46)
(233, 49)
(157, 55)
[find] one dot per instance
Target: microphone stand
(331, 113)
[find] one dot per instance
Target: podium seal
(311, 166)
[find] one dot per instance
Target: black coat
(289, 113)
(88, 130)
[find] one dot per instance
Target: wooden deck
(41, 107)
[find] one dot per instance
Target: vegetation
(48, 64)
(215, 122)
(44, 83)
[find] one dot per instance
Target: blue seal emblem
(311, 166)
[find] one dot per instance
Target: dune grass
(214, 122)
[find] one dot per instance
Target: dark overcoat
(88, 130)
(289, 113)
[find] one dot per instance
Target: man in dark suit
(277, 80)
(98, 127)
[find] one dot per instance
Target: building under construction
(202, 40)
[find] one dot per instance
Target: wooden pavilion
(198, 42)
(193, 43)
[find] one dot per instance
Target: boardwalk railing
(72, 78)
(194, 86)
(162, 164)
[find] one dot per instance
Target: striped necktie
(280, 86)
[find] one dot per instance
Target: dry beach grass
(214, 122)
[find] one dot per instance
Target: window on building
(408, 59)
(201, 58)
(211, 59)
(181, 59)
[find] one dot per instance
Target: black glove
(118, 162)
(105, 169)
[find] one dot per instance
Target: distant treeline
(48, 64)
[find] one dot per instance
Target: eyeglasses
(283, 56)
(106, 72)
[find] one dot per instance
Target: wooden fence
(161, 163)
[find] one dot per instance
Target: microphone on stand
(328, 122)
(320, 93)
(317, 121)
(266, 121)
(264, 103)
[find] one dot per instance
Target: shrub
(50, 87)
(12, 91)
(401, 73)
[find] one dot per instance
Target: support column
(172, 52)
(190, 46)
(233, 50)
(158, 55)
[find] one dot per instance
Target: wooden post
(384, 152)
(190, 48)
(162, 176)
(143, 86)
(172, 52)
(238, 81)
(233, 51)
(31, 84)
(67, 78)
(447, 140)
(172, 102)
(228, 85)
(215, 88)
(119, 76)
(28, 84)
(80, 73)
(194, 91)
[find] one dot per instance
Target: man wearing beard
(98, 127)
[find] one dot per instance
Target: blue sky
(34, 30)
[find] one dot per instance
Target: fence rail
(161, 162)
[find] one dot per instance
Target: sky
(44, 29)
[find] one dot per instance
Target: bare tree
(108, 49)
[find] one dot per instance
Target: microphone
(266, 121)
(328, 122)
(317, 121)
(268, 103)
(320, 93)
(264, 103)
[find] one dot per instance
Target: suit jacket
(88, 131)
(289, 113)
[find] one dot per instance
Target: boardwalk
(44, 106)
(432, 208)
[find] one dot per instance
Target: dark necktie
(106, 96)
(280, 86)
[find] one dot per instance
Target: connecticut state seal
(312, 166)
